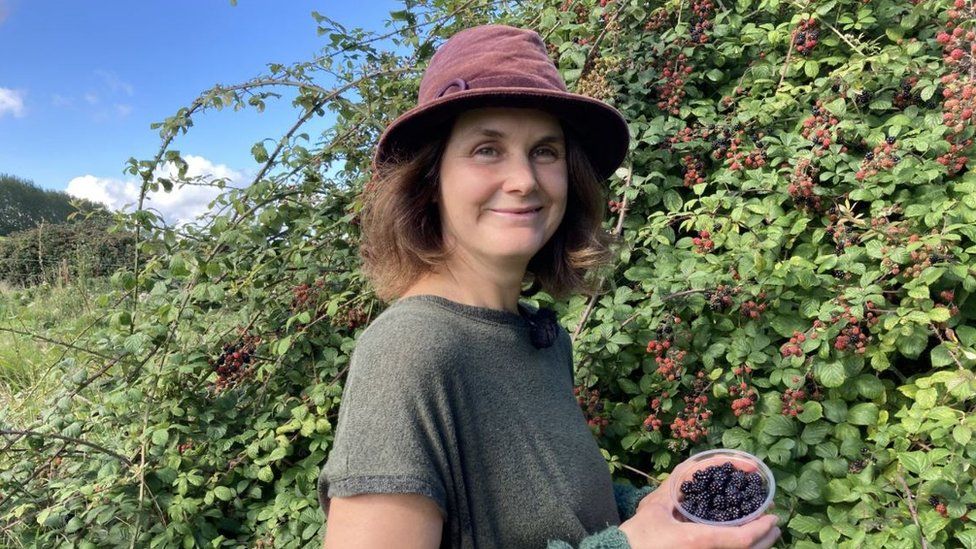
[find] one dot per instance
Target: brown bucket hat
(502, 66)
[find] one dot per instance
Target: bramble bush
(794, 228)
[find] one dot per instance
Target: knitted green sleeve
(611, 538)
(627, 497)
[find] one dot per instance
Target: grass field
(33, 324)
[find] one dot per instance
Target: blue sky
(80, 82)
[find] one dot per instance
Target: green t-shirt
(454, 402)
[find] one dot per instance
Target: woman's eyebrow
(497, 134)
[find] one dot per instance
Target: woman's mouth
(518, 213)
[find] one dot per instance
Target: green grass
(29, 371)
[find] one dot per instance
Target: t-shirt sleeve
(393, 417)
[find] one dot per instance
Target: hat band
(502, 81)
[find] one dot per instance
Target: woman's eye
(486, 151)
(547, 151)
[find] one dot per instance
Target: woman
(458, 426)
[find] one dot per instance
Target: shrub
(794, 279)
(85, 247)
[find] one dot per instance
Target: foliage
(795, 227)
(23, 205)
(80, 248)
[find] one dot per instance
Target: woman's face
(503, 181)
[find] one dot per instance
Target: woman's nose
(521, 174)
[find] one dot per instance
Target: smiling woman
(458, 415)
(502, 187)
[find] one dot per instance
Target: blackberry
(869, 156)
(890, 140)
(722, 493)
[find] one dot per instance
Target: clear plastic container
(741, 460)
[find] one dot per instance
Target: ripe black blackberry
(722, 493)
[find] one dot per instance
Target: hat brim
(600, 128)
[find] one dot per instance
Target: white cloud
(181, 205)
(123, 110)
(4, 11)
(12, 102)
(114, 83)
(91, 98)
(59, 100)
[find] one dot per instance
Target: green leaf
(925, 398)
(812, 411)
(672, 200)
(836, 411)
(74, 525)
(829, 535)
(805, 525)
(736, 437)
(839, 490)
(810, 485)
(865, 413)
(940, 356)
(811, 68)
(265, 474)
(962, 434)
(915, 462)
(780, 453)
(224, 493)
(967, 335)
(831, 374)
(939, 314)
(160, 437)
(967, 537)
(932, 522)
(779, 426)
(283, 345)
(815, 433)
(869, 386)
(837, 106)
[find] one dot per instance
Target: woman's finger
(752, 534)
(768, 540)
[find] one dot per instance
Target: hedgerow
(85, 247)
(794, 227)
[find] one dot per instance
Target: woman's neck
(492, 289)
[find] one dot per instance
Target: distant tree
(24, 205)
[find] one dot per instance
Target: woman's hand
(658, 524)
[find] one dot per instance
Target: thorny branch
(98, 447)
(910, 499)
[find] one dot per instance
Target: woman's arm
(383, 520)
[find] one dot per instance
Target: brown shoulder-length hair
(400, 225)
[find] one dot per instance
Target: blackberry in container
(722, 487)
